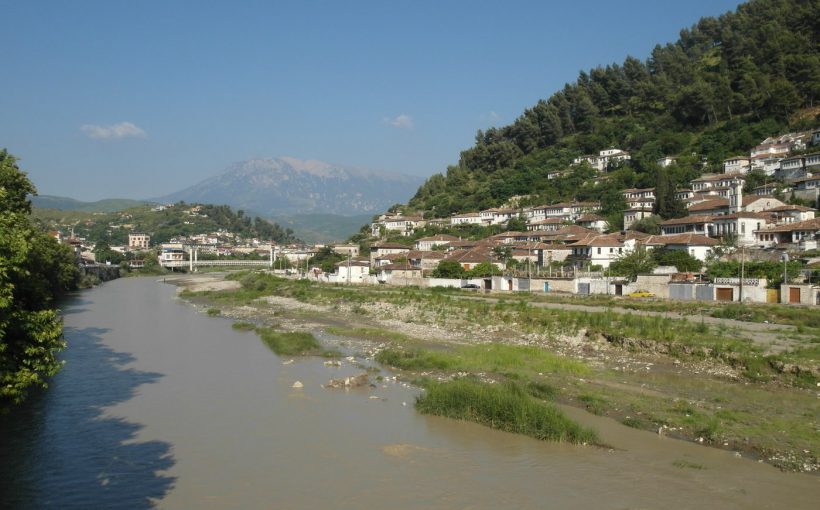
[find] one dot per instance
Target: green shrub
(505, 406)
(289, 343)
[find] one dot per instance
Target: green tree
(484, 269)
(677, 258)
(448, 269)
(633, 263)
(34, 268)
(326, 258)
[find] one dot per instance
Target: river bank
(675, 378)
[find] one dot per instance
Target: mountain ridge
(289, 186)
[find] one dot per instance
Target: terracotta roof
(688, 220)
(708, 205)
(599, 240)
(748, 199)
(390, 246)
(590, 217)
(741, 214)
(547, 221)
(438, 237)
(784, 208)
(353, 263)
(810, 225)
(689, 239)
(473, 256)
(405, 266)
(412, 255)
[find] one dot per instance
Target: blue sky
(105, 99)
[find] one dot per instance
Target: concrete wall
(656, 284)
(809, 294)
(567, 285)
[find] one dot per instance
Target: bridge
(192, 264)
(193, 261)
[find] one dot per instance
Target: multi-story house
(737, 165)
(497, 216)
(791, 168)
(635, 214)
(604, 160)
(138, 241)
(466, 219)
(665, 161)
(701, 224)
(741, 226)
(429, 243)
(789, 233)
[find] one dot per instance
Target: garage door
(725, 294)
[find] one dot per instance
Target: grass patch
(416, 359)
(685, 464)
(594, 403)
(371, 334)
(496, 358)
(243, 326)
(213, 312)
(505, 407)
(289, 343)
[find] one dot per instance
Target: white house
(700, 224)
(604, 159)
(742, 226)
(466, 219)
(381, 249)
(665, 161)
(696, 245)
(429, 243)
(791, 213)
(789, 233)
(791, 168)
(737, 165)
(592, 221)
(497, 216)
(352, 271)
(635, 214)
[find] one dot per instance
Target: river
(159, 405)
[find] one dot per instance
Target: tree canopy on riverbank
(34, 270)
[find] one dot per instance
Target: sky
(103, 99)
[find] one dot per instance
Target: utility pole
(348, 266)
(742, 270)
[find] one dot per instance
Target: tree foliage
(727, 83)
(633, 263)
(34, 269)
(448, 269)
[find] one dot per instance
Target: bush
(505, 407)
(291, 343)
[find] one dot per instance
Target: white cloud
(113, 132)
(401, 122)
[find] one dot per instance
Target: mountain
(323, 228)
(726, 84)
(288, 186)
(70, 204)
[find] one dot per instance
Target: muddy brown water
(160, 405)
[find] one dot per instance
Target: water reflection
(60, 451)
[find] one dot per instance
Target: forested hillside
(726, 84)
(180, 220)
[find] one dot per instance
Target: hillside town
(572, 240)
(559, 247)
